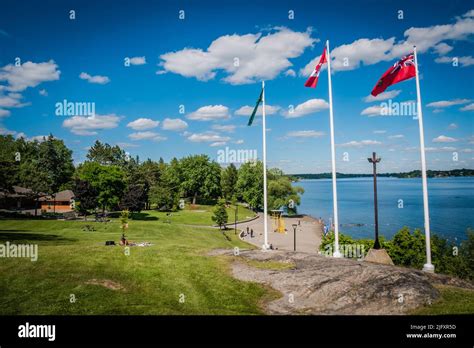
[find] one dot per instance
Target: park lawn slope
(103, 280)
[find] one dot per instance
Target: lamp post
(374, 160)
(235, 221)
(294, 236)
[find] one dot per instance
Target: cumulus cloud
(367, 51)
(380, 131)
(4, 113)
(464, 61)
(469, 107)
(452, 126)
(305, 134)
(310, 106)
(207, 137)
(148, 135)
(218, 143)
(382, 96)
(247, 110)
(374, 110)
(138, 60)
(143, 123)
(447, 103)
(243, 58)
(361, 143)
(396, 136)
(99, 79)
(174, 124)
(89, 125)
(28, 74)
(209, 113)
(444, 139)
(224, 128)
(12, 100)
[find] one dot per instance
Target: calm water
(451, 203)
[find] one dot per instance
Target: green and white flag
(255, 109)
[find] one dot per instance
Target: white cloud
(361, 143)
(380, 131)
(43, 92)
(366, 51)
(238, 142)
(82, 125)
(453, 126)
(447, 103)
(374, 110)
(439, 149)
(305, 134)
(174, 124)
(4, 113)
(382, 96)
(308, 107)
(224, 128)
(127, 145)
(138, 60)
(146, 136)
(443, 48)
(210, 113)
(218, 143)
(4, 131)
(259, 57)
(469, 107)
(290, 72)
(464, 60)
(207, 137)
(143, 123)
(247, 110)
(444, 139)
(396, 136)
(99, 79)
(28, 74)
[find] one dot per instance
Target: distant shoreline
(405, 175)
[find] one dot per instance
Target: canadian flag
(313, 78)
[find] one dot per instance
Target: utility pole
(374, 160)
(294, 236)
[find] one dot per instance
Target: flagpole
(264, 131)
(428, 266)
(333, 160)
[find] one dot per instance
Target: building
(20, 198)
(60, 202)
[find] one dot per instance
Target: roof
(17, 192)
(65, 195)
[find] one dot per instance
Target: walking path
(308, 234)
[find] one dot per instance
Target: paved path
(308, 234)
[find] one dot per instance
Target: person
(299, 222)
(247, 230)
(251, 233)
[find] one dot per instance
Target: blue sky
(190, 65)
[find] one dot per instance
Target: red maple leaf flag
(402, 70)
(313, 78)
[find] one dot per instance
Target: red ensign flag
(313, 79)
(403, 70)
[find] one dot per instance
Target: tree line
(111, 180)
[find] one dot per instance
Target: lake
(400, 202)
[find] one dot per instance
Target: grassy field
(453, 301)
(103, 280)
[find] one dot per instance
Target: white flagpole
(264, 131)
(428, 266)
(333, 160)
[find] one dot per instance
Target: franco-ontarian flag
(255, 109)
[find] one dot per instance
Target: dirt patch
(106, 283)
(325, 285)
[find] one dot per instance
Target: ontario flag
(403, 70)
(313, 78)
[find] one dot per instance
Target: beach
(309, 232)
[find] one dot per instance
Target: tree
(250, 184)
(220, 216)
(9, 163)
(201, 177)
(86, 194)
(37, 179)
(106, 155)
(134, 198)
(281, 193)
(229, 179)
(109, 181)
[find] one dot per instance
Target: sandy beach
(308, 233)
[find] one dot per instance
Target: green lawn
(196, 215)
(453, 301)
(73, 261)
